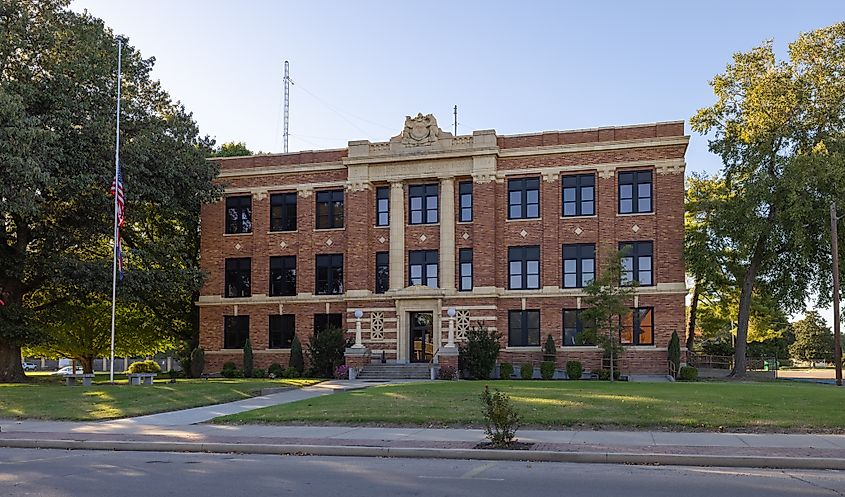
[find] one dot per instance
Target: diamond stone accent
(238, 246)
(382, 239)
(465, 236)
(523, 233)
(423, 238)
(635, 228)
(578, 230)
(283, 244)
(329, 242)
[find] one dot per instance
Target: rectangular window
(423, 204)
(238, 277)
(637, 328)
(465, 201)
(574, 328)
(635, 192)
(329, 280)
(523, 328)
(382, 271)
(383, 206)
(323, 322)
(422, 267)
(283, 212)
(282, 330)
(235, 331)
(524, 268)
(524, 198)
(465, 269)
(579, 195)
(579, 265)
(283, 276)
(637, 263)
(239, 214)
(330, 209)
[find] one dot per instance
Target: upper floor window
(283, 275)
(524, 328)
(382, 271)
(574, 328)
(238, 277)
(524, 198)
(579, 265)
(637, 263)
(579, 195)
(423, 200)
(283, 212)
(239, 214)
(524, 267)
(322, 322)
(465, 201)
(330, 209)
(635, 192)
(235, 331)
(637, 328)
(383, 206)
(422, 267)
(465, 269)
(282, 331)
(329, 280)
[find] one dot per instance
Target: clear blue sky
(516, 67)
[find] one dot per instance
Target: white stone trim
(594, 146)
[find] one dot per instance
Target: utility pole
(288, 82)
(837, 340)
(456, 120)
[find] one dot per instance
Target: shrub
(501, 419)
(342, 372)
(141, 367)
(604, 374)
(505, 370)
(228, 370)
(296, 361)
(688, 373)
(675, 352)
(477, 357)
(275, 370)
(197, 362)
(549, 350)
(290, 373)
(547, 370)
(326, 351)
(526, 371)
(259, 373)
(574, 370)
(248, 359)
(152, 366)
(446, 373)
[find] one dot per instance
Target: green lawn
(771, 406)
(46, 398)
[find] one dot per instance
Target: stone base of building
(355, 359)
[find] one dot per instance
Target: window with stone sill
(637, 328)
(524, 328)
(282, 331)
(239, 214)
(235, 331)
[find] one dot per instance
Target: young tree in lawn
(778, 127)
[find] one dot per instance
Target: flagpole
(116, 172)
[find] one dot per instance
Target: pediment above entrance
(418, 291)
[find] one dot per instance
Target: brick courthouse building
(504, 230)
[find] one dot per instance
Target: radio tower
(288, 82)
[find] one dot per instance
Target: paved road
(55, 473)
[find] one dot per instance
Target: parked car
(66, 370)
(28, 366)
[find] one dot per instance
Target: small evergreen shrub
(549, 349)
(688, 373)
(477, 356)
(446, 373)
(574, 370)
(275, 370)
(259, 373)
(675, 352)
(604, 374)
(248, 359)
(228, 370)
(505, 371)
(547, 370)
(501, 419)
(197, 362)
(526, 371)
(297, 360)
(290, 373)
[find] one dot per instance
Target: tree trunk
(11, 370)
(693, 313)
(87, 363)
(740, 362)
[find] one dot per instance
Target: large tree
(778, 127)
(57, 122)
(813, 339)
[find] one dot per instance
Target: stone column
(447, 233)
(397, 236)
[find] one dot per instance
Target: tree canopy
(813, 339)
(232, 149)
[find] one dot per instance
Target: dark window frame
(234, 269)
(331, 281)
(333, 202)
(382, 272)
(424, 192)
(580, 253)
(383, 206)
(465, 202)
(280, 286)
(636, 252)
(238, 340)
(583, 190)
(465, 270)
(279, 335)
(283, 211)
(579, 329)
(635, 179)
(238, 215)
(524, 256)
(526, 333)
(637, 326)
(423, 259)
(523, 186)
(323, 321)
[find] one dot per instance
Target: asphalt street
(55, 473)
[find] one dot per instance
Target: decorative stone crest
(420, 130)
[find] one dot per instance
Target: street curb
(433, 453)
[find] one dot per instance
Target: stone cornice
(315, 167)
(594, 146)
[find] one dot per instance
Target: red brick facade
(488, 162)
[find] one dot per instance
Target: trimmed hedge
(688, 373)
(574, 370)
(547, 370)
(505, 371)
(526, 371)
(142, 367)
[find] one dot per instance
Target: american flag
(117, 189)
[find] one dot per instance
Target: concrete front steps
(412, 371)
